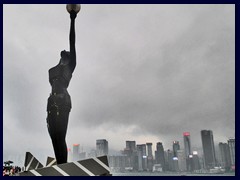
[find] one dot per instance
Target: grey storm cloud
(162, 69)
(189, 80)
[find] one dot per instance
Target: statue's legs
(57, 128)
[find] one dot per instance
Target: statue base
(97, 166)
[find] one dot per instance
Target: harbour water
(168, 174)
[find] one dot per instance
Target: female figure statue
(59, 102)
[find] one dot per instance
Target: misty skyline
(144, 73)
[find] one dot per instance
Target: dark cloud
(190, 81)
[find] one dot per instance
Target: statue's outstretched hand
(73, 14)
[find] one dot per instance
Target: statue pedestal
(89, 167)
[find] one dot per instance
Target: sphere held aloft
(75, 7)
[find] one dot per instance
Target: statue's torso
(59, 78)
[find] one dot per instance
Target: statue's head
(65, 57)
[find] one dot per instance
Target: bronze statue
(59, 102)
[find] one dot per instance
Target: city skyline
(144, 72)
(139, 157)
(165, 146)
(170, 143)
(112, 152)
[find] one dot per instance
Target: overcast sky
(144, 72)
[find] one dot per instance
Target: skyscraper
(176, 147)
(181, 160)
(149, 149)
(149, 157)
(144, 157)
(231, 144)
(140, 157)
(175, 166)
(131, 153)
(169, 163)
(195, 161)
(75, 152)
(208, 149)
(187, 148)
(187, 144)
(117, 163)
(225, 159)
(131, 145)
(102, 147)
(159, 155)
(69, 159)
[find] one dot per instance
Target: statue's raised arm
(72, 38)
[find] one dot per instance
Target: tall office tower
(117, 163)
(69, 158)
(181, 160)
(149, 157)
(175, 166)
(149, 149)
(75, 156)
(131, 145)
(187, 144)
(131, 153)
(225, 158)
(195, 161)
(144, 149)
(176, 147)
(140, 157)
(169, 162)
(208, 149)
(102, 147)
(187, 148)
(231, 144)
(144, 155)
(159, 155)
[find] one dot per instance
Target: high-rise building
(231, 144)
(187, 149)
(149, 157)
(169, 163)
(140, 157)
(75, 156)
(117, 163)
(102, 147)
(69, 158)
(142, 152)
(176, 147)
(144, 157)
(181, 160)
(131, 153)
(131, 145)
(159, 155)
(149, 149)
(208, 149)
(225, 158)
(187, 143)
(195, 161)
(175, 166)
